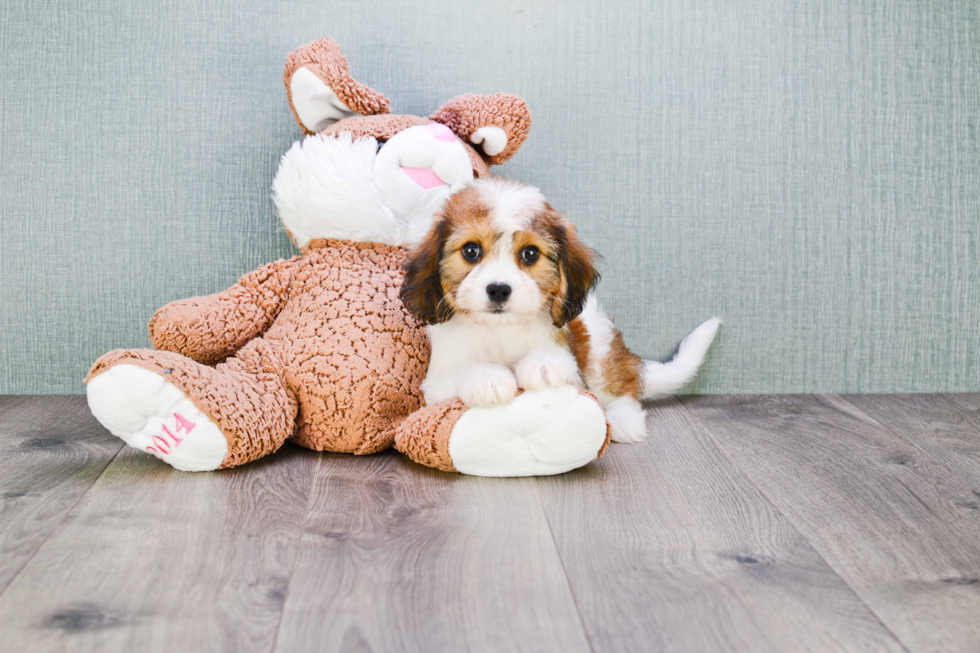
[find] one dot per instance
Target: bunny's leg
(537, 434)
(192, 416)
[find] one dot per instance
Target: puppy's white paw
(546, 369)
(627, 420)
(486, 385)
(151, 415)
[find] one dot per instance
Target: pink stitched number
(173, 437)
(184, 423)
(162, 444)
(163, 447)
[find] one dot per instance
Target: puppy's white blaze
(513, 204)
(499, 266)
(661, 378)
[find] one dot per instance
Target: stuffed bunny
(319, 348)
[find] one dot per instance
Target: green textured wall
(808, 170)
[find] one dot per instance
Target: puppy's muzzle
(498, 292)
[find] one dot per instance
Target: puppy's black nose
(498, 292)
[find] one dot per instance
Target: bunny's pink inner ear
(321, 90)
(496, 125)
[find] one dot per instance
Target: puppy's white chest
(506, 346)
(503, 344)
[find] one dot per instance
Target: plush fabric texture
(345, 346)
(209, 329)
(464, 114)
(541, 433)
(246, 396)
(424, 435)
(324, 58)
(467, 113)
(332, 357)
(322, 181)
(144, 410)
(382, 128)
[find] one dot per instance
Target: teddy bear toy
(319, 348)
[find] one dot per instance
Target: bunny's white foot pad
(151, 415)
(539, 433)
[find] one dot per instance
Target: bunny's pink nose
(442, 132)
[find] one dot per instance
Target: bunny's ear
(497, 124)
(321, 90)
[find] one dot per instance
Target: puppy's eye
(471, 251)
(530, 254)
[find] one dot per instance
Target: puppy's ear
(576, 271)
(422, 291)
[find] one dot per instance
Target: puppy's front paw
(486, 385)
(546, 369)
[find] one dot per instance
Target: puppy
(503, 284)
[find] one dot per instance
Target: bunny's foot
(151, 415)
(539, 433)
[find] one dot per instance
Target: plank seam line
(792, 522)
(564, 571)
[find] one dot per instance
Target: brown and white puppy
(503, 283)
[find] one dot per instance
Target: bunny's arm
(212, 328)
(499, 123)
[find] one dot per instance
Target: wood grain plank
(669, 547)
(153, 559)
(970, 401)
(942, 429)
(969, 405)
(51, 451)
(397, 557)
(874, 506)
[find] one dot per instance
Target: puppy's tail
(662, 378)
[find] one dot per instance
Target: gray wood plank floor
(774, 523)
